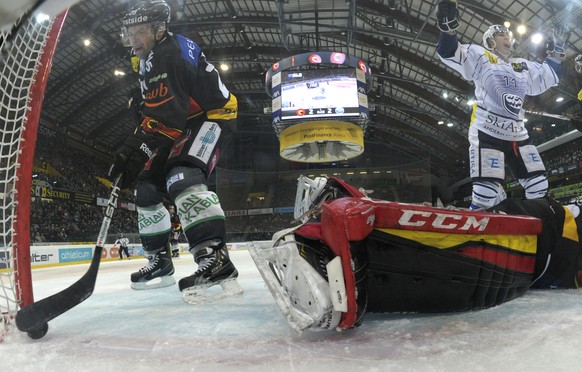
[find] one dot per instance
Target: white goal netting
(22, 80)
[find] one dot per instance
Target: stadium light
(537, 38)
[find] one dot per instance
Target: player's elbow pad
(447, 45)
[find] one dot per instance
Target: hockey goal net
(26, 50)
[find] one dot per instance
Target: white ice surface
(119, 329)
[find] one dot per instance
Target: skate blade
(161, 282)
(212, 292)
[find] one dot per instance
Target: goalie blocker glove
(131, 157)
(447, 16)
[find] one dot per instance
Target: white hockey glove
(447, 16)
(555, 46)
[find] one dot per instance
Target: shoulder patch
(492, 57)
(190, 50)
(519, 66)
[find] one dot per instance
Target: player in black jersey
(188, 112)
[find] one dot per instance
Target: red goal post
(26, 52)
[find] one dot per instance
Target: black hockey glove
(447, 15)
(131, 157)
(555, 46)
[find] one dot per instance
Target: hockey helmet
(151, 11)
(489, 35)
(154, 12)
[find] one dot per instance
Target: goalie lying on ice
(353, 254)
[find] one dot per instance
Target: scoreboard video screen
(319, 93)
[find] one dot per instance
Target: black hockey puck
(38, 332)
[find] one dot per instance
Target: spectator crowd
(59, 220)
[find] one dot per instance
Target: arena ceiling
(87, 101)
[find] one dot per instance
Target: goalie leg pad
(301, 293)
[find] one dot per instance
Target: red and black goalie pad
(559, 253)
(426, 259)
(404, 257)
(408, 273)
(344, 225)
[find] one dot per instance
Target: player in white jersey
(497, 134)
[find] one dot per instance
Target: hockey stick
(548, 115)
(34, 318)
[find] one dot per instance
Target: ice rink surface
(119, 329)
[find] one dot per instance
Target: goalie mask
(492, 31)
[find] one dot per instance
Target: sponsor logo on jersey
(512, 103)
(158, 77)
(519, 67)
(205, 141)
(158, 95)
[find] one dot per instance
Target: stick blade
(38, 313)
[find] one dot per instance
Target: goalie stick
(34, 318)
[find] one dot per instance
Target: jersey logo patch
(512, 103)
(519, 67)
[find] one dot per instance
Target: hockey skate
(156, 274)
(214, 268)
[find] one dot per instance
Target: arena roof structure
(92, 79)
